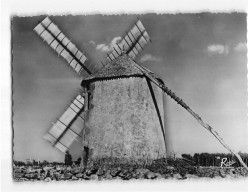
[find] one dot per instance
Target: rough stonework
(122, 119)
(112, 169)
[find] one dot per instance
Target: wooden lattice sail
(132, 43)
(53, 36)
(68, 127)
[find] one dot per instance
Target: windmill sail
(68, 127)
(132, 43)
(53, 36)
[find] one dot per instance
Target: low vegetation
(187, 167)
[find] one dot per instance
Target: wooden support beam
(196, 116)
(156, 107)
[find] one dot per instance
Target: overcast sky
(201, 57)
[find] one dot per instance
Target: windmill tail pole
(205, 125)
(197, 117)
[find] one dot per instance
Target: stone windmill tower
(120, 111)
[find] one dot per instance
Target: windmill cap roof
(123, 66)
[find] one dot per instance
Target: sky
(201, 57)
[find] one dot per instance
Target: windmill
(83, 117)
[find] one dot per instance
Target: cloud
(149, 57)
(106, 47)
(218, 49)
(103, 47)
(240, 47)
(93, 43)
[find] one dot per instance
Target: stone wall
(123, 121)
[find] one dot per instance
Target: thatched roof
(123, 66)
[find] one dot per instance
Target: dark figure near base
(68, 159)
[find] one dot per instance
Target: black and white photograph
(128, 97)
